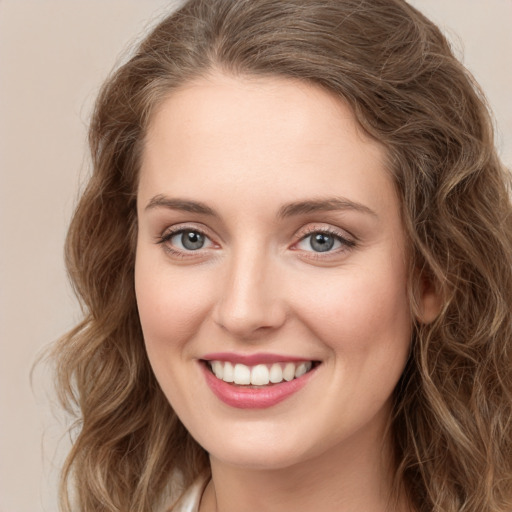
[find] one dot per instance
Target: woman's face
(270, 244)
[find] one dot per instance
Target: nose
(251, 300)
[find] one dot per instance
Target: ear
(429, 299)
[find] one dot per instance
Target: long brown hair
(452, 423)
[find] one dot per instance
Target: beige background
(53, 56)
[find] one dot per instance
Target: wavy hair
(452, 422)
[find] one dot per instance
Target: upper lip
(253, 359)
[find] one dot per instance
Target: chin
(260, 459)
(261, 450)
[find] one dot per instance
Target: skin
(246, 147)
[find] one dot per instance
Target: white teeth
(242, 374)
(218, 369)
(289, 372)
(302, 369)
(260, 374)
(229, 374)
(276, 373)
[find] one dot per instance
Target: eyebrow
(328, 204)
(289, 210)
(162, 201)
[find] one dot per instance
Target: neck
(351, 477)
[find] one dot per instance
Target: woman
(294, 255)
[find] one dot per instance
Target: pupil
(322, 242)
(192, 240)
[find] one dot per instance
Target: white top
(190, 499)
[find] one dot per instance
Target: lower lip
(243, 397)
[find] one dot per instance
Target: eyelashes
(315, 242)
(182, 240)
(324, 240)
(187, 239)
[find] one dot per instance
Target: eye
(185, 240)
(188, 240)
(324, 241)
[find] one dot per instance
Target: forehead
(252, 135)
(281, 108)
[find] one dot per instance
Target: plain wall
(53, 57)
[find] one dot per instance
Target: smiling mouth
(260, 374)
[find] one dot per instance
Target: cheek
(360, 311)
(171, 304)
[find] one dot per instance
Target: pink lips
(251, 359)
(248, 397)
